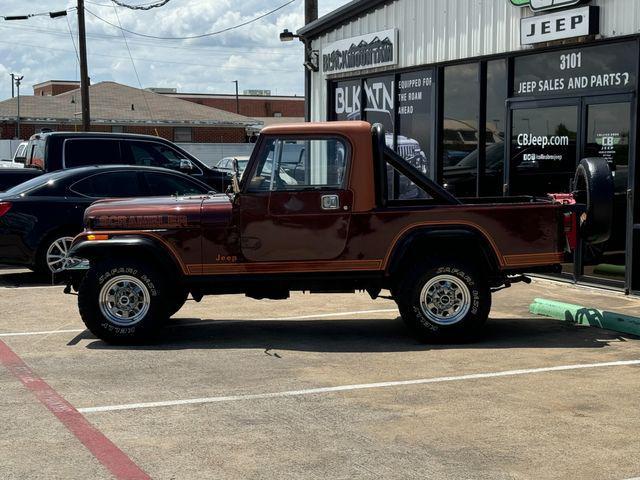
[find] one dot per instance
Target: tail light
(4, 208)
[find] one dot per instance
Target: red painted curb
(103, 449)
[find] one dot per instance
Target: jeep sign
(538, 5)
(560, 25)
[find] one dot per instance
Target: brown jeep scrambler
(324, 223)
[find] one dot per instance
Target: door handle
(330, 202)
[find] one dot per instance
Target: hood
(148, 213)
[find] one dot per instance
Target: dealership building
(495, 97)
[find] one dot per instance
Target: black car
(40, 217)
(52, 151)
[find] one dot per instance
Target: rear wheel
(122, 301)
(444, 302)
(53, 254)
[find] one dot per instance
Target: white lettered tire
(444, 302)
(121, 301)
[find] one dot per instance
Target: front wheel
(121, 302)
(447, 302)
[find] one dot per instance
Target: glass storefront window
(346, 101)
(460, 129)
(493, 174)
(543, 150)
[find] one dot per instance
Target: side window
(152, 154)
(112, 184)
(299, 164)
(36, 154)
(94, 151)
(161, 184)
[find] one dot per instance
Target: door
(295, 205)
(548, 139)
(607, 134)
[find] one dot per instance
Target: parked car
(52, 151)
(40, 217)
(18, 157)
(226, 164)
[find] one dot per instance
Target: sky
(41, 48)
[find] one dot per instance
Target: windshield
(34, 183)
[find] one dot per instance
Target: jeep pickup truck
(338, 229)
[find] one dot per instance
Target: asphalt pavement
(317, 386)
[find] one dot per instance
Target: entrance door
(295, 206)
(607, 128)
(548, 139)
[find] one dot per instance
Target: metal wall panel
(432, 31)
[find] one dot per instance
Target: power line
(191, 37)
(158, 4)
(153, 60)
(106, 37)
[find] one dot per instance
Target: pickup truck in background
(51, 151)
(334, 231)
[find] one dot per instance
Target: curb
(580, 315)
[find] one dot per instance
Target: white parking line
(364, 386)
(44, 332)
(191, 324)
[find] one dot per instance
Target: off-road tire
(99, 276)
(415, 285)
(594, 187)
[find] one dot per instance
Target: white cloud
(41, 48)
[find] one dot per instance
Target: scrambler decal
(141, 221)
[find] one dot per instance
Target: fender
(445, 235)
(137, 245)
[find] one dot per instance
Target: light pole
(17, 81)
(13, 79)
(237, 97)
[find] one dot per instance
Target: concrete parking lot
(316, 387)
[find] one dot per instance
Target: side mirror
(235, 176)
(186, 165)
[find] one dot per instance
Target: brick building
(265, 108)
(120, 108)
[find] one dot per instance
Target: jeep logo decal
(538, 5)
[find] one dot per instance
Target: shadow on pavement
(358, 335)
(16, 278)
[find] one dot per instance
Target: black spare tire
(594, 188)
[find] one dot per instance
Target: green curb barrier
(580, 315)
(608, 269)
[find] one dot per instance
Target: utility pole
(18, 80)
(310, 11)
(13, 79)
(237, 97)
(84, 71)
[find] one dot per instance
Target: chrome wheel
(58, 255)
(445, 299)
(124, 300)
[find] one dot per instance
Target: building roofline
(57, 82)
(339, 16)
(232, 96)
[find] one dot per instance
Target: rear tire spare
(594, 187)
(121, 302)
(444, 302)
